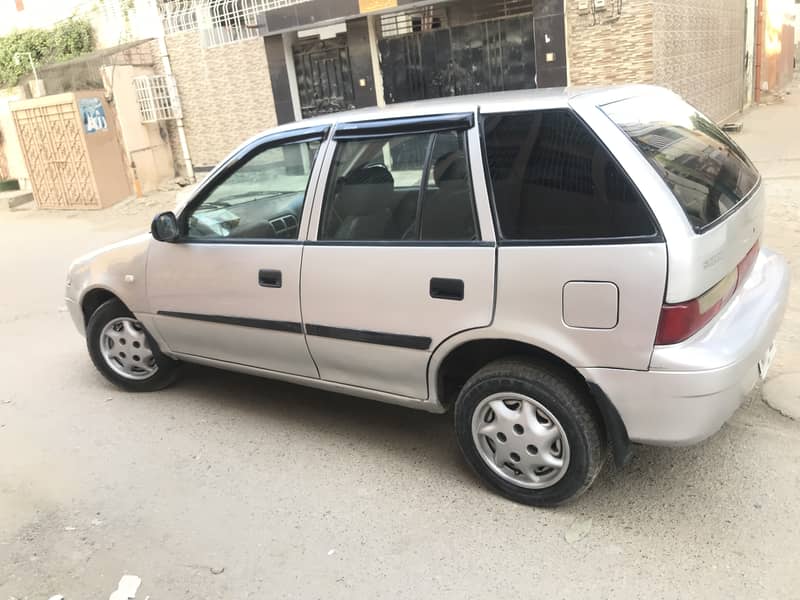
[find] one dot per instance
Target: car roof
(487, 103)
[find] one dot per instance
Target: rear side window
(706, 171)
(553, 180)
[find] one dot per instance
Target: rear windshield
(706, 171)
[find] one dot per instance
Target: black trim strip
(287, 326)
(403, 126)
(398, 340)
(294, 135)
(403, 243)
(423, 188)
(604, 241)
(242, 241)
(353, 335)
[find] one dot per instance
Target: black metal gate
(488, 56)
(324, 82)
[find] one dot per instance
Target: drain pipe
(164, 55)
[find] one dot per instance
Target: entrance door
(489, 56)
(229, 289)
(324, 82)
(398, 264)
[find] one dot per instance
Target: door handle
(447, 289)
(270, 278)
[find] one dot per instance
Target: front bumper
(77, 316)
(693, 387)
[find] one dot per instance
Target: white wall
(106, 17)
(37, 13)
(11, 145)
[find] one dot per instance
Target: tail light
(681, 321)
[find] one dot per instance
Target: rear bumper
(693, 387)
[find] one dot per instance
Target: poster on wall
(93, 115)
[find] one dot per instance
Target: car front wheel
(530, 431)
(124, 352)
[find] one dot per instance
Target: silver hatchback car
(569, 271)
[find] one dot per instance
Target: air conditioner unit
(599, 4)
(583, 7)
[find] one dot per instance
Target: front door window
(262, 199)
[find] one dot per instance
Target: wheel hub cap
(125, 349)
(520, 440)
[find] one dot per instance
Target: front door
(229, 290)
(324, 82)
(396, 261)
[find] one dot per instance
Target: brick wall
(225, 93)
(607, 48)
(698, 51)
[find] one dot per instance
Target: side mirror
(165, 227)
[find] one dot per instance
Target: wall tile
(699, 52)
(225, 92)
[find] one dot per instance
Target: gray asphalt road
(299, 493)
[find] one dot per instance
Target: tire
(520, 406)
(158, 372)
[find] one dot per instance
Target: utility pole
(18, 61)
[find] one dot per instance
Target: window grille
(426, 18)
(157, 96)
(220, 21)
(485, 10)
(226, 21)
(178, 15)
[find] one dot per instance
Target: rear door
(400, 256)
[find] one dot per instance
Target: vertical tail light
(681, 321)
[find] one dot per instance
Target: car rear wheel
(530, 431)
(124, 352)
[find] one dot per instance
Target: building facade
(302, 59)
(242, 66)
(276, 61)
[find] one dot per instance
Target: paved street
(299, 493)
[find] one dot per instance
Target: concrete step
(15, 198)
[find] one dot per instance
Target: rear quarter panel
(530, 284)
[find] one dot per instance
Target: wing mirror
(165, 227)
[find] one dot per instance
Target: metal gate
(324, 81)
(487, 56)
(72, 150)
(56, 157)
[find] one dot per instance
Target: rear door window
(707, 172)
(552, 180)
(412, 187)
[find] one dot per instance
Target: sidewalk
(771, 137)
